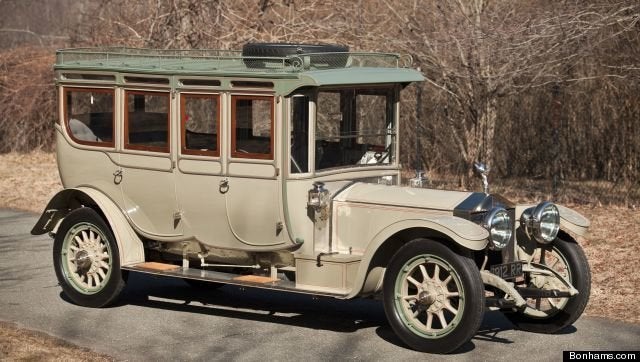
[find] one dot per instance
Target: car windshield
(354, 127)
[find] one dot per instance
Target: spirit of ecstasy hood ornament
(482, 170)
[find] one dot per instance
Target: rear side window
(147, 121)
(252, 127)
(89, 116)
(200, 114)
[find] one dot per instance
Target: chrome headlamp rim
(498, 238)
(542, 222)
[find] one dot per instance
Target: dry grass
(614, 254)
(24, 345)
(588, 192)
(28, 181)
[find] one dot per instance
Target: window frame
(129, 146)
(310, 114)
(183, 129)
(65, 92)
(260, 156)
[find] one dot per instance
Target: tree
(477, 52)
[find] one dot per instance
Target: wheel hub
(426, 298)
(83, 261)
(434, 295)
(88, 258)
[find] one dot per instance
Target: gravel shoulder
(19, 344)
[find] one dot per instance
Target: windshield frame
(389, 131)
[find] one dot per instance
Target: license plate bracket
(508, 270)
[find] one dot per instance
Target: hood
(402, 196)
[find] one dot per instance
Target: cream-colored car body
(253, 211)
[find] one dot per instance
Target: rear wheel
(553, 314)
(86, 259)
(433, 296)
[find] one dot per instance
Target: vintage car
(277, 167)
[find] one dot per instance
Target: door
(200, 171)
(146, 168)
(252, 189)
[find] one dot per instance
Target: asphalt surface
(164, 319)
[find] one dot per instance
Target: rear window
(252, 127)
(89, 116)
(147, 121)
(200, 115)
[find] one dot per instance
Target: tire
(284, 49)
(456, 274)
(280, 50)
(578, 274)
(86, 260)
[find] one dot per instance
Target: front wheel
(433, 296)
(550, 315)
(86, 259)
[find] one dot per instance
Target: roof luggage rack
(218, 61)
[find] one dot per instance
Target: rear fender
(129, 243)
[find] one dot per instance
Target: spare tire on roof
(253, 51)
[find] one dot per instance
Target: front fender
(129, 244)
(573, 221)
(463, 232)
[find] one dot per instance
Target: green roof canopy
(311, 69)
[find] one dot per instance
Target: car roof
(299, 70)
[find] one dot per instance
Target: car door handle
(117, 177)
(224, 186)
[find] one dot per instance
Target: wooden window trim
(183, 122)
(261, 156)
(65, 111)
(129, 146)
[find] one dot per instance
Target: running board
(252, 281)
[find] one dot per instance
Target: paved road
(163, 319)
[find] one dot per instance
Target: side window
(89, 116)
(252, 127)
(200, 115)
(299, 134)
(147, 121)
